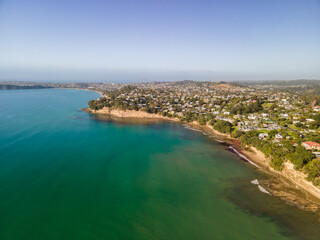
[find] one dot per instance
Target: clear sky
(148, 40)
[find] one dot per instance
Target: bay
(65, 174)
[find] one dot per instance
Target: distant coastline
(306, 196)
(16, 87)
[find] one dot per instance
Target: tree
(201, 119)
(313, 169)
(236, 134)
(223, 126)
(188, 116)
(277, 163)
(272, 133)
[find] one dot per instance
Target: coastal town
(285, 126)
(281, 119)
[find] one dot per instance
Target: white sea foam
(263, 190)
(244, 157)
(256, 182)
(190, 128)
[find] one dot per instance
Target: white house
(310, 120)
(263, 136)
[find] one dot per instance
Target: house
(246, 128)
(252, 117)
(241, 124)
(278, 136)
(225, 119)
(316, 154)
(311, 145)
(263, 136)
(316, 108)
(310, 120)
(284, 115)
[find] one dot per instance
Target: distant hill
(16, 87)
(285, 83)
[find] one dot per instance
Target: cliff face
(299, 178)
(130, 114)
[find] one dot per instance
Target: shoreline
(298, 191)
(85, 89)
(133, 114)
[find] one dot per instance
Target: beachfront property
(311, 145)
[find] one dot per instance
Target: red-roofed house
(311, 145)
(316, 108)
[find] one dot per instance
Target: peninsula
(276, 126)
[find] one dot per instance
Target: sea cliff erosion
(129, 114)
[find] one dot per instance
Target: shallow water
(64, 174)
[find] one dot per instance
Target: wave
(256, 182)
(190, 128)
(263, 190)
(232, 148)
(243, 157)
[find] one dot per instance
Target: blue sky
(153, 40)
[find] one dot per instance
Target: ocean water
(65, 174)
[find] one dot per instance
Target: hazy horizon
(146, 81)
(127, 77)
(125, 41)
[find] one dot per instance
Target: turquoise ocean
(66, 174)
